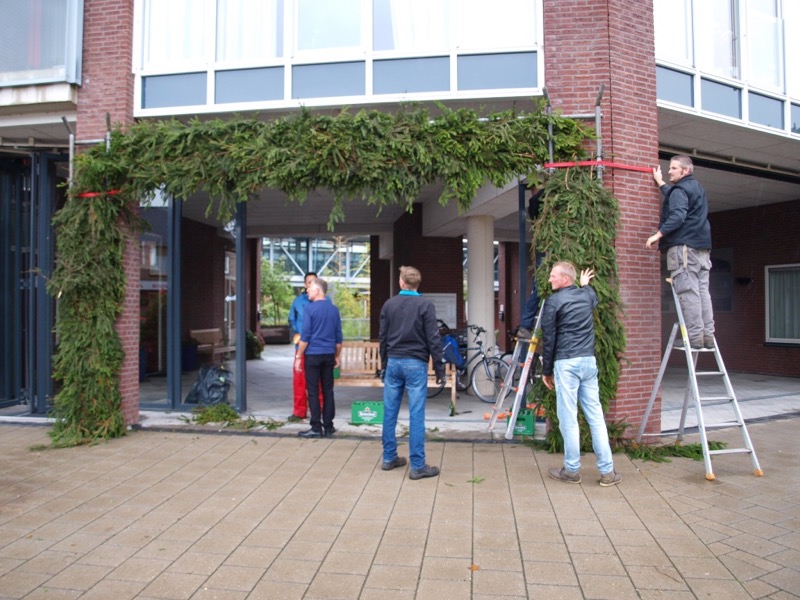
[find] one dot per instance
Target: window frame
(292, 59)
(767, 334)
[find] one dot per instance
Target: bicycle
(486, 375)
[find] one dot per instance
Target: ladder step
(732, 451)
(727, 425)
(708, 373)
(715, 398)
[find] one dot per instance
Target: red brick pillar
(107, 87)
(611, 42)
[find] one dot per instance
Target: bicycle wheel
(487, 378)
(462, 380)
(434, 390)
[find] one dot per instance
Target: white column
(480, 274)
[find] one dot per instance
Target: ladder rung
(732, 451)
(727, 425)
(706, 373)
(715, 398)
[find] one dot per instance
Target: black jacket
(684, 216)
(568, 325)
(408, 329)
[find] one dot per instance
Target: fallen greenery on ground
(230, 419)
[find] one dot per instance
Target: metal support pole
(71, 147)
(548, 111)
(523, 255)
(108, 132)
(598, 129)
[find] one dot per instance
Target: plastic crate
(368, 412)
(525, 423)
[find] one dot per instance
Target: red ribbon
(96, 194)
(598, 163)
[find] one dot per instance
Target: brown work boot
(610, 478)
(566, 476)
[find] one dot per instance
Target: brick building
(727, 93)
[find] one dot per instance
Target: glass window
(673, 28)
(324, 25)
(411, 75)
(500, 24)
(175, 33)
(717, 45)
(783, 303)
(765, 44)
(497, 71)
(795, 118)
(188, 89)
(411, 25)
(721, 99)
(791, 21)
(249, 30)
(249, 85)
(674, 86)
(335, 79)
(766, 111)
(40, 43)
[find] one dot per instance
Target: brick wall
(379, 285)
(610, 42)
(107, 87)
(437, 258)
(757, 236)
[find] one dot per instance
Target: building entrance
(29, 195)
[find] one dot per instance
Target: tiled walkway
(188, 515)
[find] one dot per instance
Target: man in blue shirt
(320, 345)
(300, 409)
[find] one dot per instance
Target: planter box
(277, 334)
(369, 412)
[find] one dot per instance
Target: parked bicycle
(481, 372)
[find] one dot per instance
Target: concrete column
(480, 274)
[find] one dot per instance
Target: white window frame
(209, 65)
(767, 334)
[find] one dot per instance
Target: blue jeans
(411, 375)
(576, 381)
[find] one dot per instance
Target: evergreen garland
(578, 223)
(378, 157)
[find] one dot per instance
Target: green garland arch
(378, 157)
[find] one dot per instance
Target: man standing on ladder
(685, 234)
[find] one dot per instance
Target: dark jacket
(568, 325)
(684, 216)
(408, 329)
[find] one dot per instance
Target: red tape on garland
(96, 194)
(597, 163)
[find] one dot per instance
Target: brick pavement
(189, 515)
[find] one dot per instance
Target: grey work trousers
(690, 269)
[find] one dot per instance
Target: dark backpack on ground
(211, 386)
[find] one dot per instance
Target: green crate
(369, 412)
(525, 423)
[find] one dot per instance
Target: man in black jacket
(409, 336)
(684, 233)
(569, 365)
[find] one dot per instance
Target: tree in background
(276, 292)
(354, 308)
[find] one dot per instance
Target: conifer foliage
(376, 157)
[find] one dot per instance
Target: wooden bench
(210, 343)
(360, 366)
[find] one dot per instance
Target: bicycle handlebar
(477, 329)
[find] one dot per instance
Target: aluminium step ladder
(693, 392)
(508, 383)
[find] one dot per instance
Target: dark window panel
(328, 80)
(721, 99)
(674, 86)
(249, 85)
(187, 89)
(497, 71)
(411, 75)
